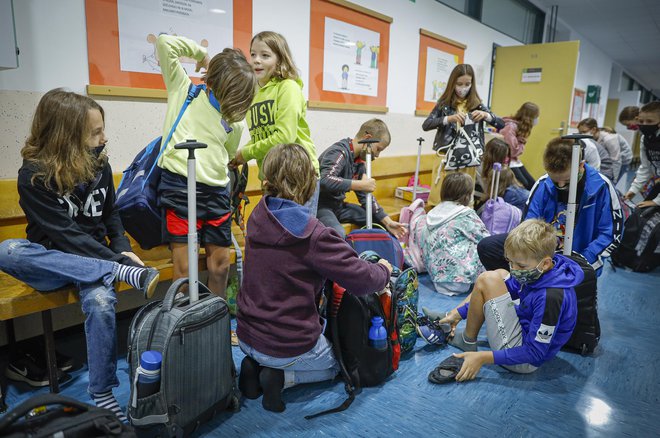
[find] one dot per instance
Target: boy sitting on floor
(521, 336)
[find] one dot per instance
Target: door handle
(561, 128)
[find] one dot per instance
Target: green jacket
(277, 116)
(201, 120)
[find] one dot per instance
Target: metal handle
(562, 127)
(369, 142)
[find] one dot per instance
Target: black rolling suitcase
(587, 329)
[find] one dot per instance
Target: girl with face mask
(459, 105)
(516, 131)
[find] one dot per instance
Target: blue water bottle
(149, 373)
(377, 334)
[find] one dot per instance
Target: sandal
(447, 370)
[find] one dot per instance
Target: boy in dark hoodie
(342, 170)
(289, 255)
(521, 336)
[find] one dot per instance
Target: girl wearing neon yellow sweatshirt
(278, 110)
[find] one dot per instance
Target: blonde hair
(56, 144)
(449, 97)
(286, 68)
(233, 83)
(533, 238)
(377, 128)
(457, 187)
(289, 173)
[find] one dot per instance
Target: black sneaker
(25, 369)
(37, 352)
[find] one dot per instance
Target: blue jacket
(547, 313)
(599, 222)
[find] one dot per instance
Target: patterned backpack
(414, 218)
(406, 290)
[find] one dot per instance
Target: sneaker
(25, 369)
(150, 282)
(432, 332)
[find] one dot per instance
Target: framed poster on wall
(349, 54)
(578, 106)
(121, 36)
(437, 58)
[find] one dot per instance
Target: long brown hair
(286, 68)
(449, 97)
(56, 144)
(496, 151)
(525, 118)
(233, 82)
(289, 173)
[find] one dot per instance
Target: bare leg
(179, 260)
(217, 263)
(489, 285)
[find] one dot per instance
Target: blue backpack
(137, 194)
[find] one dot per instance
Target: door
(518, 80)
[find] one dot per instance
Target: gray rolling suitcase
(192, 333)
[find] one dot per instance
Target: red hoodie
(288, 256)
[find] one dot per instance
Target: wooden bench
(18, 299)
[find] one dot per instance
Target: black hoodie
(84, 222)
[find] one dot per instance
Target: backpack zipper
(198, 325)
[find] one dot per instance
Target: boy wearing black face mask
(647, 179)
(598, 222)
(521, 336)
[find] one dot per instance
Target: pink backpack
(414, 218)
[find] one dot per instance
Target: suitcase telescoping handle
(420, 140)
(35, 402)
(495, 183)
(193, 273)
(571, 208)
(369, 142)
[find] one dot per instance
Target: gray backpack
(197, 373)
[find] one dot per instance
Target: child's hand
(452, 318)
(647, 204)
(367, 184)
(387, 264)
(203, 64)
(628, 196)
(237, 161)
(134, 257)
(472, 363)
(394, 227)
(456, 118)
(478, 115)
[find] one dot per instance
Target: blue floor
(616, 392)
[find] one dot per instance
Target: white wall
(56, 56)
(594, 68)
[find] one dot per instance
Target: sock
(433, 314)
(132, 275)
(248, 379)
(272, 383)
(108, 401)
(461, 342)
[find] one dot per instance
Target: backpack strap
(193, 92)
(336, 296)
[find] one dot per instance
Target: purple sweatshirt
(288, 257)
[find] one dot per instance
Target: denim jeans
(317, 365)
(48, 270)
(313, 202)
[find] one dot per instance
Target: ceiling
(626, 30)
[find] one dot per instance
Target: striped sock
(108, 401)
(132, 275)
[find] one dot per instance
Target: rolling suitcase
(375, 239)
(197, 374)
(586, 333)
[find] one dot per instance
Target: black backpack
(638, 249)
(61, 416)
(349, 320)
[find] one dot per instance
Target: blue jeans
(317, 365)
(313, 202)
(48, 270)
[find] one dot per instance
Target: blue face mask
(215, 104)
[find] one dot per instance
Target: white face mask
(462, 91)
(535, 121)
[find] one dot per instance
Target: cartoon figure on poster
(438, 88)
(344, 76)
(374, 56)
(439, 65)
(359, 45)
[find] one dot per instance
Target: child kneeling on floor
(289, 255)
(521, 336)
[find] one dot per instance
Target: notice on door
(531, 75)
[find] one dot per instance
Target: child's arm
(332, 165)
(535, 202)
(643, 174)
(119, 243)
(609, 220)
(169, 49)
(290, 104)
(510, 134)
(435, 119)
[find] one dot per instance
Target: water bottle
(148, 382)
(378, 334)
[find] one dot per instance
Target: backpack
(59, 416)
(137, 194)
(414, 218)
(497, 215)
(639, 249)
(406, 289)
(379, 241)
(349, 319)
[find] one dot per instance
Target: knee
(8, 248)
(99, 301)
(218, 265)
